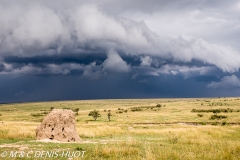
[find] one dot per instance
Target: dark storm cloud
(57, 59)
(2, 67)
(86, 64)
(17, 89)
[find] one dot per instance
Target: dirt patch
(19, 147)
(53, 141)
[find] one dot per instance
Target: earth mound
(58, 125)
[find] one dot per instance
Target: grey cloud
(92, 71)
(41, 29)
(2, 67)
(227, 82)
(31, 29)
(38, 29)
(44, 70)
(201, 19)
(187, 48)
(169, 69)
(114, 63)
(146, 61)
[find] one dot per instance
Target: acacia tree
(95, 114)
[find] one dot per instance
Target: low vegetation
(213, 117)
(39, 114)
(225, 110)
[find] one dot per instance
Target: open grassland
(137, 130)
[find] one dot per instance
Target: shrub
(36, 114)
(66, 108)
(0, 114)
(136, 109)
(95, 114)
(79, 149)
(217, 117)
(202, 123)
(8, 110)
(200, 115)
(226, 110)
(109, 116)
(159, 105)
(214, 123)
(216, 111)
(51, 108)
(76, 109)
(39, 114)
(224, 123)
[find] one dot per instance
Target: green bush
(39, 114)
(224, 123)
(66, 108)
(76, 109)
(202, 123)
(214, 123)
(200, 115)
(134, 109)
(36, 114)
(226, 110)
(79, 148)
(95, 114)
(109, 115)
(217, 117)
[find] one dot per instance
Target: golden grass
(98, 131)
(134, 135)
(18, 130)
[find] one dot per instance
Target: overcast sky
(95, 49)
